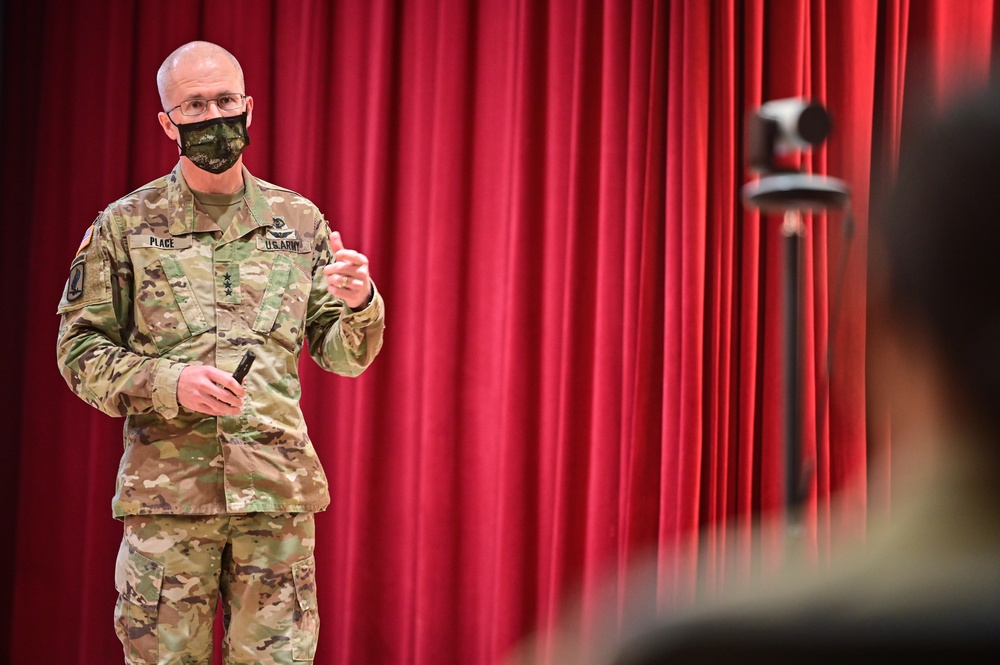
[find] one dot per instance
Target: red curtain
(582, 373)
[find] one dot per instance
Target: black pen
(244, 366)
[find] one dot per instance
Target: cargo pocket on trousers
(138, 580)
(305, 619)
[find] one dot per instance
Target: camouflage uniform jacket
(156, 286)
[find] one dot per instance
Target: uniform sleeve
(95, 313)
(340, 340)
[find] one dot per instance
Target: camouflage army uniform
(172, 569)
(156, 286)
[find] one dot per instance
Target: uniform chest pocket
(282, 311)
(166, 304)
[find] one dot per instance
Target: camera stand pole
(793, 231)
(790, 194)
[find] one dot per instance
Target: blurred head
(935, 273)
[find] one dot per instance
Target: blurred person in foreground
(219, 481)
(926, 584)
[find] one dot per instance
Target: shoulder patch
(86, 237)
(77, 276)
(89, 281)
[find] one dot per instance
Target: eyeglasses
(231, 101)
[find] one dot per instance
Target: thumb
(336, 244)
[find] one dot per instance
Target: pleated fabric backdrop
(583, 360)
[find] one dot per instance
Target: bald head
(195, 56)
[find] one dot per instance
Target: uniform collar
(181, 210)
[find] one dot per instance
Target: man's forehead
(204, 78)
(194, 66)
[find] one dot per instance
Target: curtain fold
(580, 399)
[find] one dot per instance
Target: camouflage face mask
(214, 145)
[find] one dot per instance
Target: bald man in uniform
(170, 289)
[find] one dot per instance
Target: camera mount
(777, 129)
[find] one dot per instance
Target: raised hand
(347, 277)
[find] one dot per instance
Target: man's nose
(213, 110)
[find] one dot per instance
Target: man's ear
(249, 111)
(168, 127)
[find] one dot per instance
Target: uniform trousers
(174, 571)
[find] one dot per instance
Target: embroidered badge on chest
(280, 230)
(281, 238)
